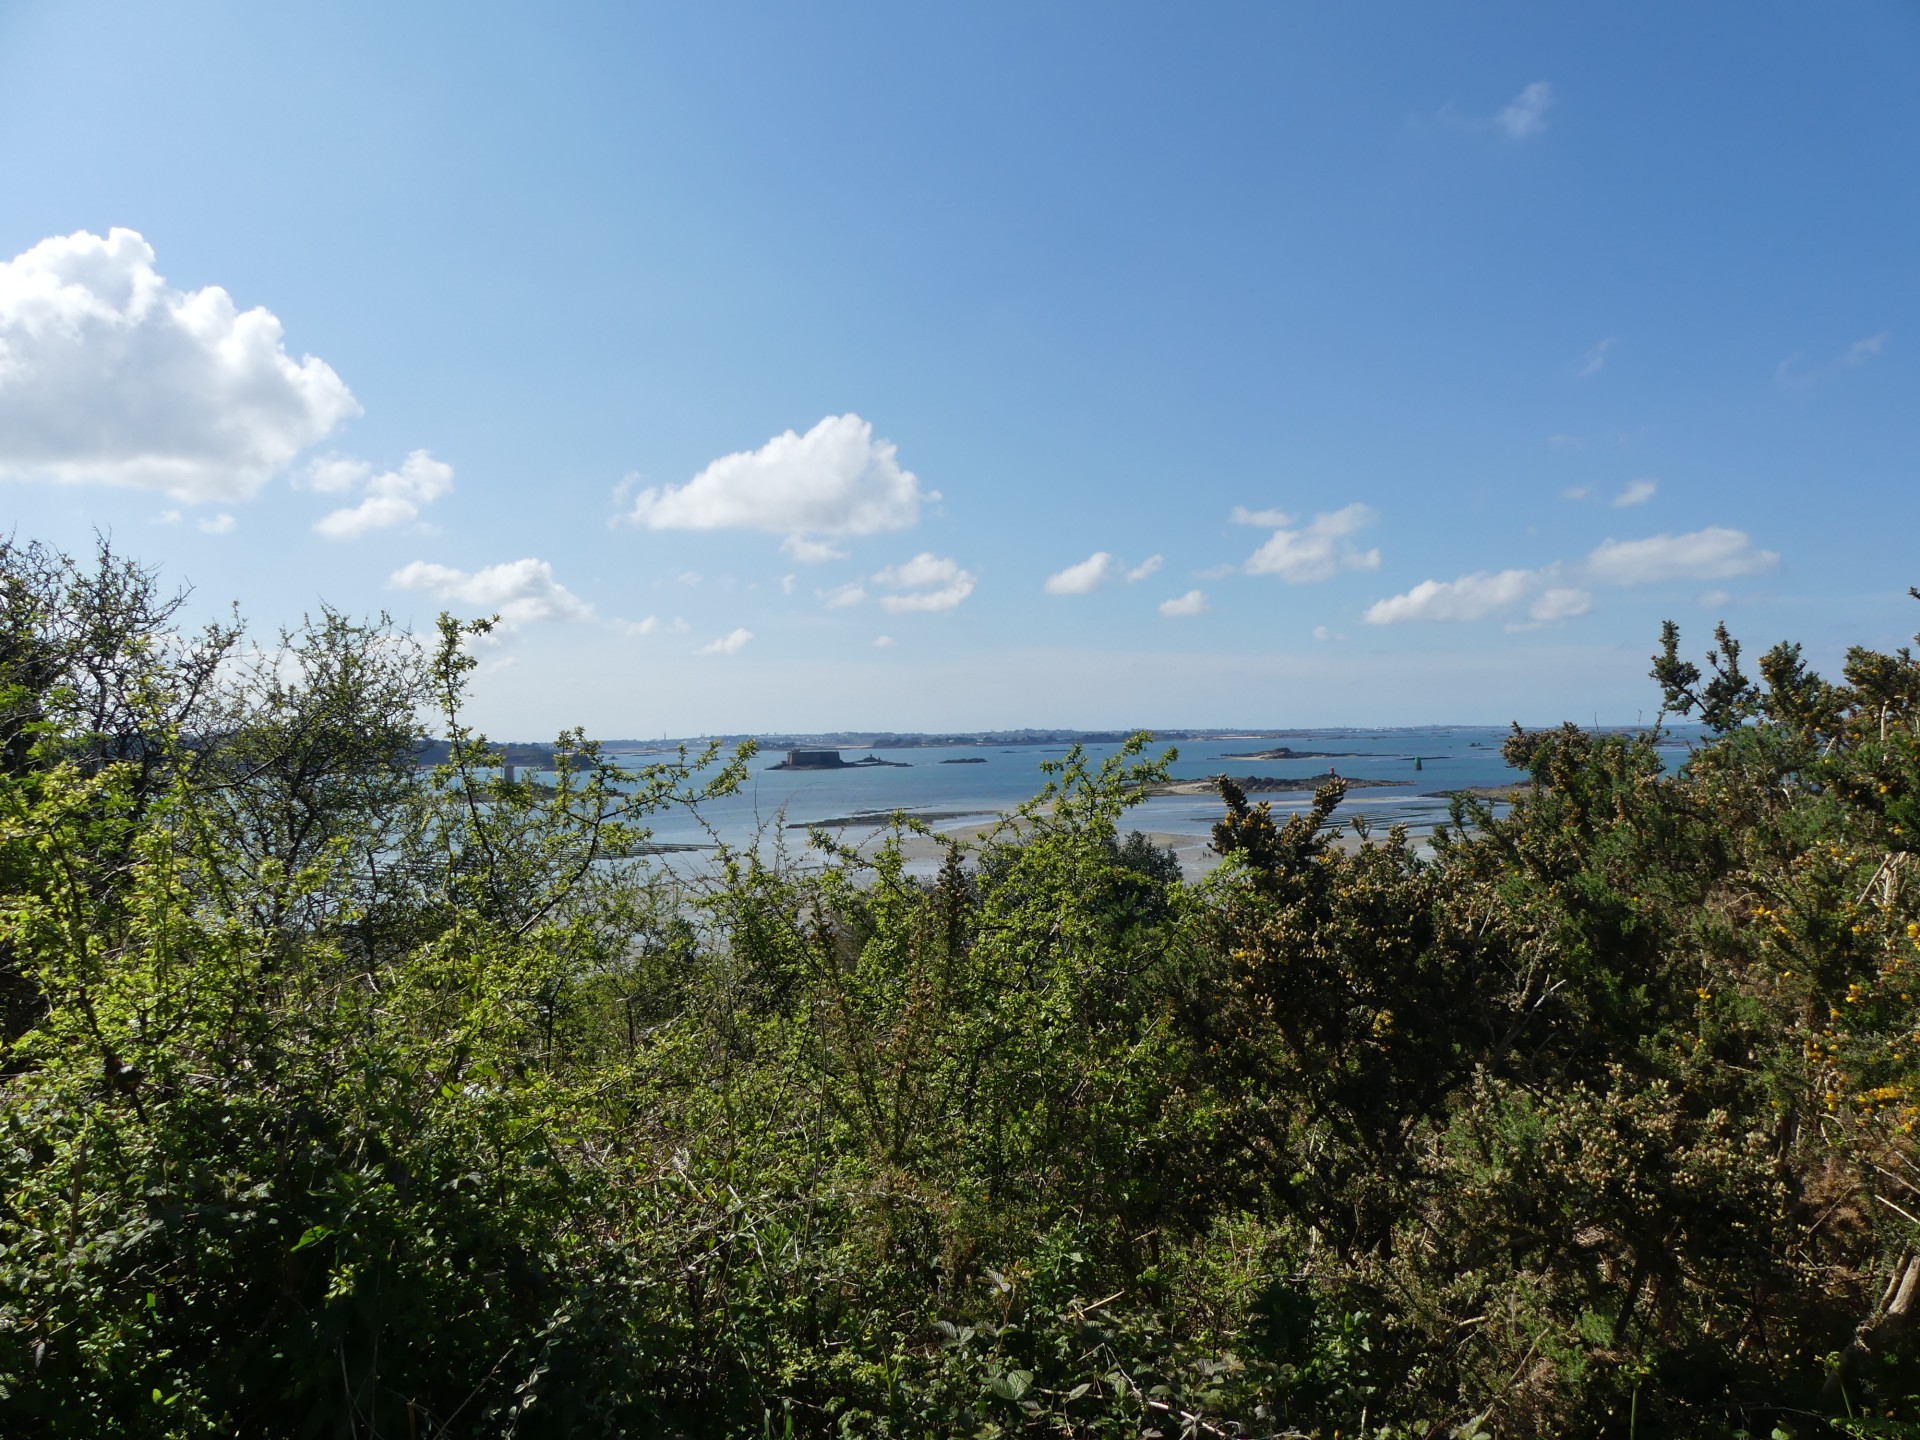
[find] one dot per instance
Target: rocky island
(1283, 752)
(831, 760)
(1270, 784)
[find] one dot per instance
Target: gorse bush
(345, 1097)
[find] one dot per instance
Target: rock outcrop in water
(831, 760)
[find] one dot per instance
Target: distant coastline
(526, 752)
(994, 739)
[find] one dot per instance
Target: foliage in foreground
(342, 1098)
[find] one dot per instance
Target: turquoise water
(1450, 757)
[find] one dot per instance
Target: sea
(957, 786)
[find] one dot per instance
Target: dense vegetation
(347, 1098)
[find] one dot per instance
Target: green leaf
(315, 1234)
(1012, 1385)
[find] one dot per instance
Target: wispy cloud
(1715, 553)
(730, 643)
(843, 596)
(651, 625)
(1634, 492)
(1595, 360)
(1526, 114)
(1796, 375)
(1862, 351)
(1149, 566)
(1265, 519)
(812, 552)
(1555, 593)
(221, 524)
(883, 642)
(1561, 602)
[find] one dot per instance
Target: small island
(966, 760)
(879, 818)
(831, 760)
(1283, 752)
(1269, 784)
(1504, 793)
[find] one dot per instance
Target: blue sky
(782, 367)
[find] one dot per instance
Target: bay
(1422, 763)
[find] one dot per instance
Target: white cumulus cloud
(1715, 553)
(842, 596)
(1471, 597)
(1194, 602)
(836, 479)
(393, 497)
(926, 582)
(1638, 492)
(1149, 566)
(110, 374)
(332, 474)
(1082, 578)
(1561, 602)
(221, 524)
(730, 643)
(1317, 550)
(518, 591)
